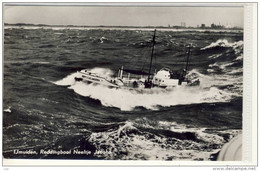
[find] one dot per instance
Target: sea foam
(225, 43)
(129, 142)
(126, 99)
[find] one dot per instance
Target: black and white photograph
(123, 82)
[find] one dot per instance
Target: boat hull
(163, 81)
(89, 78)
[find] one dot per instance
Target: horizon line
(151, 26)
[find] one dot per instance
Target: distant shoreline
(19, 25)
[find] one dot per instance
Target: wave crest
(159, 141)
(224, 43)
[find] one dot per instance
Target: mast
(182, 78)
(187, 62)
(151, 61)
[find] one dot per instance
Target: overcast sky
(123, 16)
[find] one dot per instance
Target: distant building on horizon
(214, 26)
(183, 24)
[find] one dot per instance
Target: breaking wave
(227, 67)
(140, 139)
(8, 109)
(224, 43)
(239, 58)
(152, 99)
(229, 61)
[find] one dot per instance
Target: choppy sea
(46, 110)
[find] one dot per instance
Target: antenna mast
(151, 61)
(187, 62)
